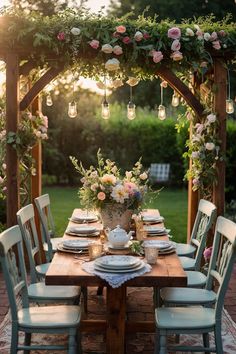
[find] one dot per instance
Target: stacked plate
(156, 231)
(151, 219)
(81, 219)
(74, 246)
(165, 247)
(83, 231)
(118, 264)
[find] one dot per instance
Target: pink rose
(61, 36)
(216, 45)
(200, 35)
(199, 128)
(222, 33)
(175, 45)
(196, 182)
(126, 40)
(157, 56)
(94, 44)
(214, 36)
(116, 35)
(121, 29)
(101, 196)
(146, 35)
(117, 50)
(207, 253)
(174, 33)
(176, 56)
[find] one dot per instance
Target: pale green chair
(201, 320)
(60, 319)
(50, 242)
(37, 290)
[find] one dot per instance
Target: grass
(172, 204)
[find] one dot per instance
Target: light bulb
(175, 100)
(72, 110)
(131, 111)
(105, 110)
(229, 106)
(49, 101)
(161, 112)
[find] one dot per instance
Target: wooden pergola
(19, 64)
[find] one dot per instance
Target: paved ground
(143, 297)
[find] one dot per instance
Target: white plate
(118, 261)
(168, 251)
(94, 234)
(152, 219)
(125, 247)
(119, 270)
(161, 245)
(76, 244)
(62, 249)
(83, 219)
(82, 229)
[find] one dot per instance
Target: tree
(174, 9)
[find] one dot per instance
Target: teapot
(119, 237)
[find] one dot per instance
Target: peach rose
(176, 56)
(107, 48)
(101, 196)
(117, 50)
(174, 33)
(121, 29)
(143, 176)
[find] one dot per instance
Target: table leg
(116, 315)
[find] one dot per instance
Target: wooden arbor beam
(194, 103)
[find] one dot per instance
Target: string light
(105, 104)
(49, 101)
(131, 114)
(72, 108)
(229, 102)
(175, 100)
(161, 108)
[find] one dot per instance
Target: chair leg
(157, 342)
(14, 339)
(72, 345)
(79, 342)
(84, 291)
(100, 290)
(206, 342)
(218, 339)
(157, 301)
(27, 342)
(163, 344)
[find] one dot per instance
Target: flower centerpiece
(114, 195)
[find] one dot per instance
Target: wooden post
(220, 81)
(12, 119)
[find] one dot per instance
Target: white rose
(207, 36)
(128, 174)
(189, 32)
(133, 81)
(211, 118)
(210, 146)
(112, 64)
(75, 31)
(107, 48)
(143, 176)
(4, 166)
(117, 50)
(195, 155)
(138, 36)
(1, 180)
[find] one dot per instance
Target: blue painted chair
(60, 319)
(202, 320)
(50, 242)
(37, 290)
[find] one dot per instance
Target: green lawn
(172, 204)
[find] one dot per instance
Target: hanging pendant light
(49, 101)
(175, 100)
(161, 108)
(72, 109)
(229, 106)
(105, 104)
(131, 114)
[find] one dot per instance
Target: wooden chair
(50, 242)
(201, 320)
(60, 319)
(37, 290)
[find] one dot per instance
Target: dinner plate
(62, 249)
(82, 229)
(117, 261)
(94, 234)
(152, 219)
(161, 245)
(76, 244)
(125, 247)
(83, 219)
(168, 251)
(119, 270)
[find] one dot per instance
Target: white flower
(107, 48)
(210, 146)
(119, 194)
(207, 36)
(117, 50)
(94, 187)
(189, 32)
(195, 154)
(75, 31)
(112, 64)
(138, 36)
(211, 118)
(4, 166)
(143, 176)
(1, 180)
(128, 174)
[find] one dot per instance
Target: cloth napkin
(115, 280)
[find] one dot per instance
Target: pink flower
(61, 36)
(117, 50)
(175, 45)
(116, 35)
(174, 33)
(222, 33)
(157, 56)
(121, 29)
(196, 182)
(207, 253)
(101, 196)
(138, 36)
(199, 128)
(200, 35)
(1, 180)
(146, 35)
(126, 40)
(176, 56)
(216, 45)
(94, 44)
(214, 36)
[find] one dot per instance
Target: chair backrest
(26, 221)
(204, 220)
(15, 276)
(222, 260)
(159, 172)
(46, 222)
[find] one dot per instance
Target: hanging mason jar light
(229, 102)
(49, 101)
(105, 104)
(161, 108)
(175, 100)
(131, 114)
(72, 109)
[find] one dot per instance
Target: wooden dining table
(66, 270)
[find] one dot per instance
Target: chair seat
(42, 268)
(40, 291)
(54, 242)
(185, 249)
(49, 316)
(187, 296)
(195, 279)
(187, 263)
(190, 318)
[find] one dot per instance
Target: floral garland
(32, 128)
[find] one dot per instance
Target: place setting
(156, 231)
(164, 247)
(82, 219)
(74, 246)
(152, 219)
(83, 231)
